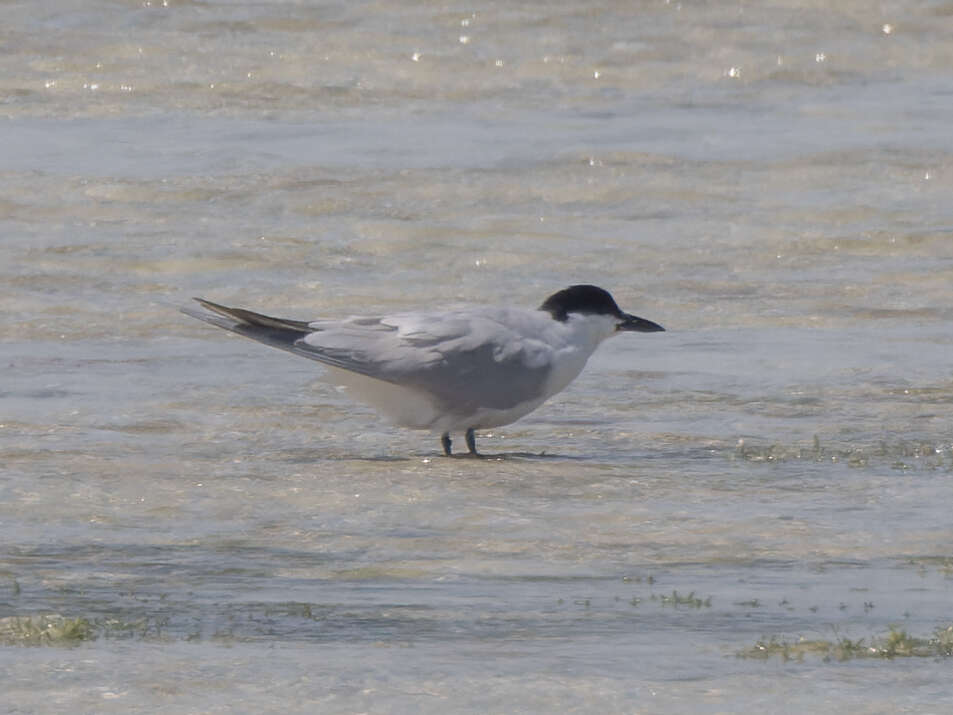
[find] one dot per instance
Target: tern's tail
(277, 332)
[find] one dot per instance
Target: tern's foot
(470, 437)
(471, 442)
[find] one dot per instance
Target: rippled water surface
(748, 512)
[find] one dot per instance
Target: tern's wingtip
(214, 307)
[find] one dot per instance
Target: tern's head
(588, 300)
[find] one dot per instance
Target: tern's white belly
(411, 408)
(402, 405)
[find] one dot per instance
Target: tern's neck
(580, 337)
(588, 331)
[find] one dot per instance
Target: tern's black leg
(471, 441)
(446, 442)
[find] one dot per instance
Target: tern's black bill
(638, 325)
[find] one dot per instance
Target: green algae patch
(900, 455)
(44, 630)
(676, 600)
(897, 643)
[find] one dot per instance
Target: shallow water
(225, 530)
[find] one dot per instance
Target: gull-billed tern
(459, 369)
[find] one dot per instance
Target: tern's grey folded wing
(462, 360)
(452, 366)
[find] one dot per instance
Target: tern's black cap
(593, 300)
(584, 299)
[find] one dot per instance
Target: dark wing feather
(276, 332)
